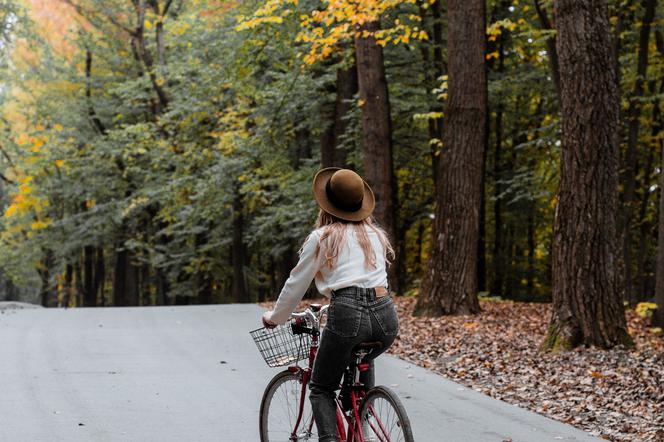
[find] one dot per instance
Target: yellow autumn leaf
(37, 225)
(10, 210)
(23, 139)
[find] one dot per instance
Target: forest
(158, 152)
(161, 152)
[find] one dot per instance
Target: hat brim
(319, 183)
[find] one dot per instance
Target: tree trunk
(332, 154)
(481, 243)
(68, 286)
(204, 288)
(658, 319)
(48, 296)
(510, 247)
(377, 131)
(119, 291)
(587, 301)
(162, 287)
(327, 137)
(132, 282)
(419, 262)
(634, 115)
(437, 34)
(100, 275)
(146, 282)
(94, 119)
(645, 227)
(554, 65)
(530, 284)
(450, 282)
(88, 284)
(644, 230)
(499, 12)
(435, 64)
(498, 261)
(240, 290)
(78, 278)
(346, 90)
(145, 56)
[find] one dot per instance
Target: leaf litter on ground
(615, 394)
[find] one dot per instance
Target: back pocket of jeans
(386, 315)
(343, 320)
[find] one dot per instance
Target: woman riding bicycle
(346, 255)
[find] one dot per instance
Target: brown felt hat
(343, 193)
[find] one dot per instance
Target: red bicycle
(363, 415)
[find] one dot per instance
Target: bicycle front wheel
(280, 409)
(383, 417)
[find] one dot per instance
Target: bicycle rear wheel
(279, 411)
(383, 417)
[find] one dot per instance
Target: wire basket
(279, 346)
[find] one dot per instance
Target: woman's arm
(298, 281)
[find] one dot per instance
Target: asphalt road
(192, 373)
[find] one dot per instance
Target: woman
(346, 255)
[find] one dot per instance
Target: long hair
(334, 238)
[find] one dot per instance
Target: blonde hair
(334, 238)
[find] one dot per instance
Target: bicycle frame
(354, 433)
(306, 376)
(353, 436)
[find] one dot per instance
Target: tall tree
(332, 154)
(450, 283)
(239, 251)
(631, 159)
(376, 129)
(659, 287)
(551, 50)
(587, 302)
(499, 249)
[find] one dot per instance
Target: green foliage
(100, 159)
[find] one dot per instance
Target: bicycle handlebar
(311, 315)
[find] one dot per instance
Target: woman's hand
(267, 323)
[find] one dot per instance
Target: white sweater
(349, 270)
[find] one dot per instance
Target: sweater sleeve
(298, 281)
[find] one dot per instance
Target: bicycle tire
(398, 418)
(274, 387)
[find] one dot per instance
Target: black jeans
(355, 316)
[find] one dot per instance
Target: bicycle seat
(368, 346)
